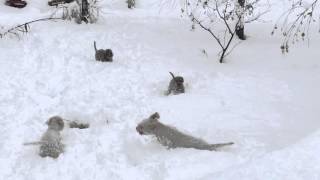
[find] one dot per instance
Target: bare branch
(207, 29)
(303, 16)
(220, 18)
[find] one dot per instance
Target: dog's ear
(155, 116)
(48, 121)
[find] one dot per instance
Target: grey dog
(171, 137)
(51, 140)
(50, 143)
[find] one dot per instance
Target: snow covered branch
(221, 19)
(295, 23)
(23, 28)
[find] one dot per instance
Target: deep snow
(266, 102)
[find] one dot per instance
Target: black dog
(103, 55)
(176, 85)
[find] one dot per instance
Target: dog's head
(55, 123)
(147, 126)
(179, 80)
(108, 55)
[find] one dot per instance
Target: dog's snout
(139, 130)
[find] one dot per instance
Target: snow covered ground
(264, 101)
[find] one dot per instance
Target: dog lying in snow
(171, 137)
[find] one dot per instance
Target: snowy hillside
(264, 101)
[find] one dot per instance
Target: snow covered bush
(221, 19)
(80, 11)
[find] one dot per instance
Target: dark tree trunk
(240, 32)
(84, 10)
(131, 4)
(240, 26)
(222, 56)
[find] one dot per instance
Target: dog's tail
(172, 75)
(33, 143)
(95, 46)
(214, 147)
(76, 124)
